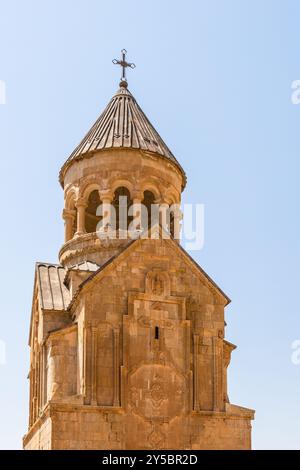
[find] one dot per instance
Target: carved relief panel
(156, 354)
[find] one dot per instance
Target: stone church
(127, 347)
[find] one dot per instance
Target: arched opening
(174, 217)
(171, 223)
(121, 204)
(74, 223)
(91, 219)
(148, 202)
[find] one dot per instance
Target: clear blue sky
(215, 79)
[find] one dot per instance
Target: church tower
(127, 347)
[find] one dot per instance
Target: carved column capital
(68, 214)
(137, 196)
(106, 195)
(80, 202)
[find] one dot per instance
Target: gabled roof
(126, 250)
(122, 124)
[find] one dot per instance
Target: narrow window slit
(156, 332)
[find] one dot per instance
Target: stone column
(196, 371)
(106, 197)
(137, 198)
(68, 216)
(177, 218)
(30, 396)
(218, 403)
(94, 331)
(227, 350)
(81, 205)
(116, 359)
(35, 383)
(163, 217)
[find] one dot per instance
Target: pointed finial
(124, 65)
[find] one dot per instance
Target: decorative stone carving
(153, 392)
(158, 283)
(156, 438)
(157, 393)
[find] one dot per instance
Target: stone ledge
(231, 412)
(53, 407)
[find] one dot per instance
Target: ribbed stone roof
(54, 295)
(122, 124)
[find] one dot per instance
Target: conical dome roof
(122, 124)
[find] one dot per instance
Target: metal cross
(123, 64)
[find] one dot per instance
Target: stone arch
(174, 217)
(147, 185)
(88, 189)
(170, 196)
(121, 183)
(70, 214)
(70, 199)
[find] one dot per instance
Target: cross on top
(123, 64)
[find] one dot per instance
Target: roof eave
(91, 153)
